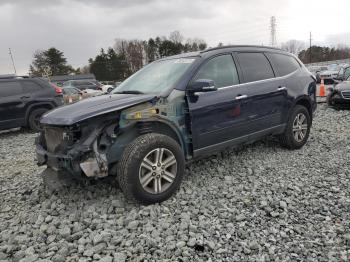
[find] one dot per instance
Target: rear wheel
(298, 128)
(34, 119)
(151, 168)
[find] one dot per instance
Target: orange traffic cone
(322, 89)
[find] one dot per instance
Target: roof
(230, 48)
(72, 77)
(241, 46)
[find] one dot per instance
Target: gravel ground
(259, 203)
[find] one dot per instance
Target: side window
(255, 66)
(283, 64)
(221, 70)
(346, 73)
(30, 86)
(10, 89)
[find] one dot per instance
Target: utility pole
(310, 58)
(273, 41)
(13, 63)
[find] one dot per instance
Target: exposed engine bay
(91, 148)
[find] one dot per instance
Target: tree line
(128, 56)
(316, 53)
(117, 62)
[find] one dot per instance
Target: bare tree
(85, 69)
(293, 46)
(176, 37)
(134, 52)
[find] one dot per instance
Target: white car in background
(107, 88)
(91, 92)
(330, 74)
(316, 70)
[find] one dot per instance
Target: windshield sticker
(184, 61)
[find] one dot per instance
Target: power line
(273, 41)
(310, 48)
(13, 63)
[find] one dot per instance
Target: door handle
(239, 97)
(24, 97)
(281, 88)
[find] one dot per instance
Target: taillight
(58, 90)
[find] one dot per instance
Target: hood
(343, 86)
(71, 114)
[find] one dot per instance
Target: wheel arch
(32, 107)
(162, 127)
(144, 127)
(306, 102)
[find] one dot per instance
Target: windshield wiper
(136, 92)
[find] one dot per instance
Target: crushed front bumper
(57, 162)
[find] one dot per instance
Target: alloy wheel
(300, 127)
(158, 171)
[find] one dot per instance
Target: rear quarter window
(283, 64)
(255, 67)
(30, 86)
(10, 89)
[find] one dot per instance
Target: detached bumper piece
(72, 165)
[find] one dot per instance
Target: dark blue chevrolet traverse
(177, 109)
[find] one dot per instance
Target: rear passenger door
(11, 104)
(266, 94)
(287, 70)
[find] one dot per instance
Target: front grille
(53, 138)
(346, 94)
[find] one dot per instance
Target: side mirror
(202, 85)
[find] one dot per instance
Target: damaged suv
(177, 109)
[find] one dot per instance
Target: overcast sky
(80, 28)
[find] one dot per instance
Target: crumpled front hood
(343, 86)
(91, 107)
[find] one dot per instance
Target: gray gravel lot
(259, 203)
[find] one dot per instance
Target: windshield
(156, 77)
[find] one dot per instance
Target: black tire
(109, 90)
(34, 118)
(128, 168)
(288, 138)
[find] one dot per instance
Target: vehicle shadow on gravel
(99, 190)
(5, 134)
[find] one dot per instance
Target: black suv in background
(24, 100)
(177, 109)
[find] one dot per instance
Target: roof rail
(234, 46)
(12, 76)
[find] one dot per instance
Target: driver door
(218, 118)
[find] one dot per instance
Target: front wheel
(151, 168)
(298, 128)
